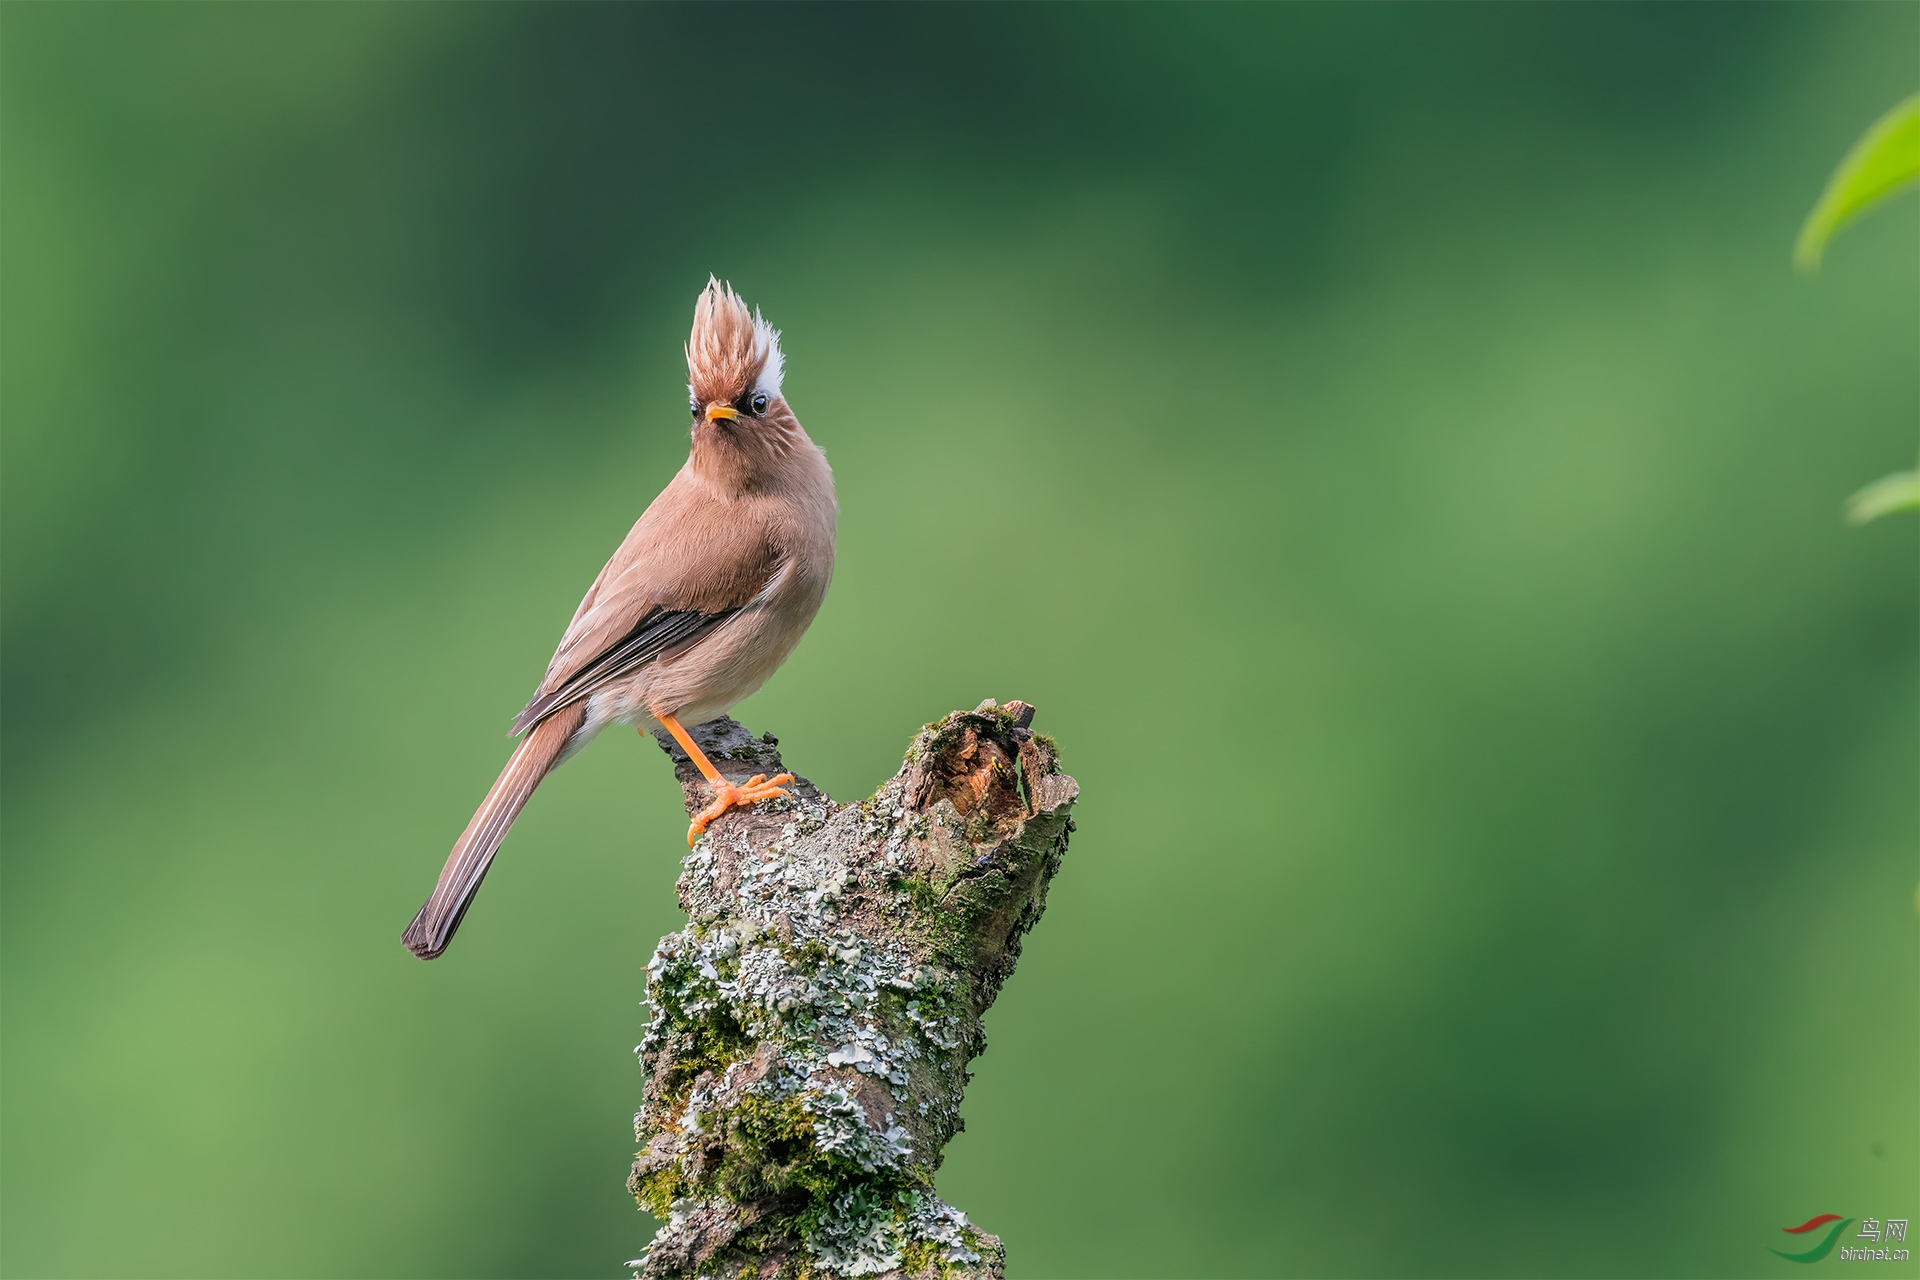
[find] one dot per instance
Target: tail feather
(432, 929)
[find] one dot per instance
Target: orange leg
(725, 794)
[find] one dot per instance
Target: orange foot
(728, 794)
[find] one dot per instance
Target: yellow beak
(721, 409)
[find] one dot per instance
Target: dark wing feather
(659, 632)
(687, 565)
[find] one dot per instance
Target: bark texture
(812, 1024)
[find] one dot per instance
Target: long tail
(432, 929)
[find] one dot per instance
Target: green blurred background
(1387, 443)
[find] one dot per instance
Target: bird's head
(734, 368)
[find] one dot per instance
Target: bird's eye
(759, 402)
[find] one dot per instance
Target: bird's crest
(732, 348)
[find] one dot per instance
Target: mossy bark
(813, 1022)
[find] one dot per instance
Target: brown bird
(703, 601)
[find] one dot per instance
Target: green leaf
(1897, 492)
(1886, 159)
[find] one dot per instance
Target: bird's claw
(728, 794)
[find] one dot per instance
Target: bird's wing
(683, 571)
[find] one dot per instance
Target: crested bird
(705, 598)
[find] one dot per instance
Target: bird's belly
(710, 678)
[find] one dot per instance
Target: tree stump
(812, 1025)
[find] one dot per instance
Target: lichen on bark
(812, 1025)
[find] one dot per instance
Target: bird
(704, 599)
